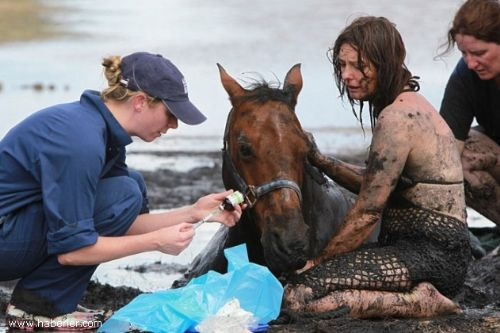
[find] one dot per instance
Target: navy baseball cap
(158, 77)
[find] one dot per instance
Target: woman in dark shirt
(473, 92)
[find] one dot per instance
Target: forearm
(345, 174)
(355, 229)
(188, 214)
(145, 223)
(109, 248)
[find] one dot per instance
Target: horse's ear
(293, 82)
(232, 87)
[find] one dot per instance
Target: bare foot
(430, 302)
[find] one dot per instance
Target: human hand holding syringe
(229, 204)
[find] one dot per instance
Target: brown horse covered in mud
(293, 209)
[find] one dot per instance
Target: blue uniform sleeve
(70, 170)
(119, 167)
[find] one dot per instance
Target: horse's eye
(246, 150)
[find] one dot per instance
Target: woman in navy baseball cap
(68, 201)
(159, 78)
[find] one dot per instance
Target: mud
(480, 297)
(158, 267)
(169, 189)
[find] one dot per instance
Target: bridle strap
(252, 192)
(276, 184)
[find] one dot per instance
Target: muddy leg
(481, 166)
(422, 301)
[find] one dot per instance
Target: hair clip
(124, 82)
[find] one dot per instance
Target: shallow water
(250, 37)
(115, 274)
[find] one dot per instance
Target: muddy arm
(345, 174)
(385, 165)
(481, 167)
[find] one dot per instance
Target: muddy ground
(480, 297)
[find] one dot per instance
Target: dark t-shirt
(467, 97)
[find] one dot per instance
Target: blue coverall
(63, 182)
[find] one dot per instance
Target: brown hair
(377, 40)
(477, 18)
(116, 90)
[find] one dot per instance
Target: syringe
(229, 203)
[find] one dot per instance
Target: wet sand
(480, 297)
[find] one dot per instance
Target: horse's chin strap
(253, 192)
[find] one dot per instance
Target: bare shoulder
(433, 157)
(411, 113)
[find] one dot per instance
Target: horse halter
(252, 192)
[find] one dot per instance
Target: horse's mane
(262, 92)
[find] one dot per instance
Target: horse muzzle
(285, 243)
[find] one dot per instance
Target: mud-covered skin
(423, 301)
(481, 167)
(410, 138)
(347, 175)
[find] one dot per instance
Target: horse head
(265, 150)
(294, 210)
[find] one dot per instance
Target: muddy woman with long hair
(412, 186)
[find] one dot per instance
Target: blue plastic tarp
(178, 310)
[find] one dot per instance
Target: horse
(292, 208)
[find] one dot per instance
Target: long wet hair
(477, 18)
(376, 40)
(116, 90)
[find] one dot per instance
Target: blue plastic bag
(178, 310)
